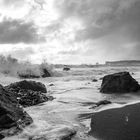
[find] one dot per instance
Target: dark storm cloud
(113, 24)
(16, 31)
(102, 17)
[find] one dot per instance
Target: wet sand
(117, 123)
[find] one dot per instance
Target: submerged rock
(119, 83)
(12, 116)
(102, 102)
(29, 93)
(117, 123)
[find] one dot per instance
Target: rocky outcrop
(119, 83)
(27, 85)
(12, 116)
(30, 74)
(29, 93)
(117, 123)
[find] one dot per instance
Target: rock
(66, 69)
(133, 73)
(45, 73)
(69, 135)
(94, 80)
(46, 70)
(117, 124)
(51, 85)
(29, 93)
(103, 102)
(119, 83)
(27, 76)
(29, 98)
(27, 85)
(101, 78)
(11, 115)
(57, 134)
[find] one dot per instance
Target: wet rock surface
(12, 116)
(27, 76)
(121, 82)
(45, 73)
(28, 85)
(103, 102)
(29, 93)
(117, 123)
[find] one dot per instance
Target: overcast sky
(70, 31)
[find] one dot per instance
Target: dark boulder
(12, 116)
(27, 85)
(117, 123)
(29, 93)
(27, 76)
(66, 69)
(45, 73)
(28, 98)
(94, 80)
(119, 83)
(51, 85)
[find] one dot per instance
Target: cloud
(9, 2)
(70, 52)
(109, 26)
(22, 53)
(17, 31)
(101, 17)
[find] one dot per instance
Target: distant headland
(123, 63)
(107, 63)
